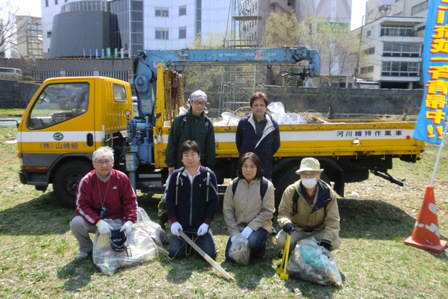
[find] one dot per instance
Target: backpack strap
(209, 185)
(295, 200)
(178, 182)
(263, 186)
(208, 182)
(235, 182)
(183, 122)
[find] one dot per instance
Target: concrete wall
(14, 94)
(350, 102)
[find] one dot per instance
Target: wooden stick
(206, 256)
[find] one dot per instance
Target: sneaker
(81, 256)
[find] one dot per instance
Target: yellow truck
(69, 117)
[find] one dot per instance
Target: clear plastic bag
(311, 262)
(141, 245)
(152, 228)
(239, 250)
(281, 117)
(227, 119)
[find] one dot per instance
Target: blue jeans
(179, 248)
(257, 243)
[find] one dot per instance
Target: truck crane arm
(145, 64)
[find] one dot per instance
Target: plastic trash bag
(311, 262)
(140, 245)
(281, 117)
(239, 250)
(227, 119)
(157, 233)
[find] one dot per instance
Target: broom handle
(206, 256)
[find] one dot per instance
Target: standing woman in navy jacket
(259, 133)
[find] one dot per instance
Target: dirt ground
(407, 198)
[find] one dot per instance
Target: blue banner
(433, 110)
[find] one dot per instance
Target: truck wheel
(288, 178)
(66, 181)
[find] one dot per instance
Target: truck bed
(334, 138)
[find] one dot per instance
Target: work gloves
(176, 228)
(127, 227)
(325, 244)
(203, 229)
(246, 232)
(103, 227)
(288, 228)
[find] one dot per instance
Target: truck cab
(65, 122)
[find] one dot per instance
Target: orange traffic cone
(426, 230)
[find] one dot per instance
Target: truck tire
(288, 178)
(66, 181)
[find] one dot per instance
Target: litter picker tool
(206, 257)
(281, 269)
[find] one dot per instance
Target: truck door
(56, 137)
(60, 121)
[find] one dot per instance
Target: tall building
(392, 40)
(73, 28)
(82, 28)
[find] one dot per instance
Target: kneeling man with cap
(309, 208)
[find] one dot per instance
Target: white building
(392, 40)
(175, 24)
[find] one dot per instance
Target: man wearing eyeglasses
(104, 194)
(194, 125)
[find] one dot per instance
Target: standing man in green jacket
(194, 125)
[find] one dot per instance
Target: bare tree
(9, 27)
(282, 30)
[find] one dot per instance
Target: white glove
(203, 229)
(103, 227)
(232, 239)
(175, 228)
(246, 232)
(127, 227)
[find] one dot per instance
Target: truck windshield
(58, 103)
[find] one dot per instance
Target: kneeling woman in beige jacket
(248, 208)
